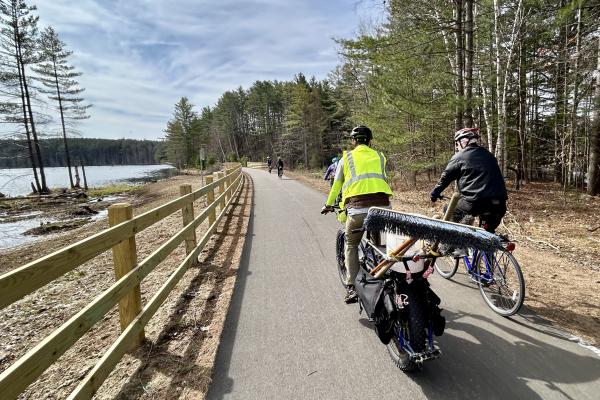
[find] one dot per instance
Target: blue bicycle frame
(486, 277)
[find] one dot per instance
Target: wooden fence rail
(258, 164)
(121, 238)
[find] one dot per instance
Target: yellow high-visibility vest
(364, 173)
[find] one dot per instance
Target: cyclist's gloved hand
(435, 196)
(326, 209)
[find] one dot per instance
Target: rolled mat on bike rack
(435, 230)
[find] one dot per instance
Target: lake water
(17, 181)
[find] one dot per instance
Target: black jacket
(477, 173)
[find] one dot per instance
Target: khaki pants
(352, 242)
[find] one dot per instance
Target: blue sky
(138, 57)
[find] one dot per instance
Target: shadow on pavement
(486, 366)
(222, 383)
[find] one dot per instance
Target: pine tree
(19, 51)
(58, 77)
(182, 134)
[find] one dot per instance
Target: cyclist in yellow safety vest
(361, 176)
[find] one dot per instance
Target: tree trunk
(30, 149)
(573, 128)
(85, 185)
(62, 121)
(77, 178)
(489, 123)
(305, 147)
(493, 93)
(469, 63)
(565, 107)
(557, 111)
(594, 165)
(522, 164)
(44, 187)
(558, 104)
(459, 64)
(501, 150)
(499, 145)
(445, 35)
(38, 187)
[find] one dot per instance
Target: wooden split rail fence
(129, 273)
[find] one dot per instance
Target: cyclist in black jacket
(479, 179)
(279, 166)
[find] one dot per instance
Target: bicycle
(498, 276)
(280, 172)
(407, 316)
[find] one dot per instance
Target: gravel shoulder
(181, 339)
(555, 233)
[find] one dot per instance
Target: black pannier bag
(377, 303)
(438, 322)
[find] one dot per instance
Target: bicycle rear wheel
(446, 266)
(414, 333)
(501, 282)
(341, 256)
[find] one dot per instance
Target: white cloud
(139, 57)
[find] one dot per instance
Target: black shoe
(351, 296)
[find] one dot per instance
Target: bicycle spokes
(501, 285)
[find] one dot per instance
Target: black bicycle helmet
(466, 133)
(361, 134)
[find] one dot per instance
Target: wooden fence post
(210, 198)
(230, 180)
(230, 172)
(221, 190)
(125, 259)
(227, 183)
(187, 211)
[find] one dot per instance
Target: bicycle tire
(341, 256)
(417, 334)
(500, 293)
(446, 266)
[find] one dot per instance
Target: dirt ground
(182, 338)
(558, 247)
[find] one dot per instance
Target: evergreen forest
(526, 72)
(83, 151)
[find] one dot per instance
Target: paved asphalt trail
(288, 334)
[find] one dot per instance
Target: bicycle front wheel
(446, 266)
(341, 256)
(501, 282)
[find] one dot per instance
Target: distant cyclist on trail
(279, 167)
(330, 173)
(480, 181)
(361, 177)
(269, 163)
